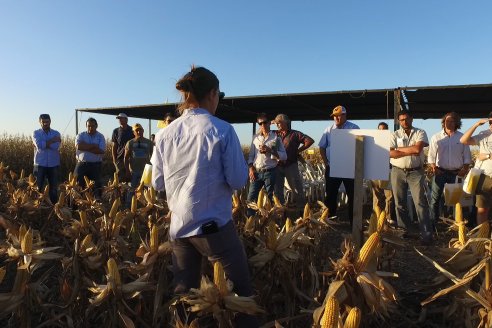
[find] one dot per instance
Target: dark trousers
(223, 246)
(51, 173)
(438, 182)
(92, 170)
(332, 186)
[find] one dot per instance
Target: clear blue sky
(56, 56)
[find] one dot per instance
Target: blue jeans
(438, 182)
(92, 170)
(266, 179)
(136, 177)
(401, 181)
(51, 173)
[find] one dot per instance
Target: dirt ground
(415, 278)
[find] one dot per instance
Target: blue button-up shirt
(199, 158)
(95, 139)
(46, 156)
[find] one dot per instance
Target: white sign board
(376, 153)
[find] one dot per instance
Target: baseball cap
(136, 126)
(339, 110)
(122, 115)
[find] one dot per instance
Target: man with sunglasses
(447, 158)
(339, 115)
(138, 152)
(407, 172)
(46, 156)
(483, 162)
(265, 152)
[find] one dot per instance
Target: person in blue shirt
(90, 147)
(199, 160)
(339, 115)
(47, 156)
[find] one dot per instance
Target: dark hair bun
(184, 85)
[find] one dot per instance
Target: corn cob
(22, 232)
(460, 223)
(353, 318)
(271, 241)
(133, 208)
(83, 219)
(154, 239)
(86, 242)
(377, 210)
(26, 242)
(325, 214)
(381, 221)
(288, 225)
(115, 180)
(331, 314)
(250, 224)
(235, 200)
(219, 279)
(114, 208)
(113, 273)
(260, 202)
(118, 220)
(153, 195)
(276, 201)
(367, 252)
(307, 211)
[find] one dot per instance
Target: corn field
(86, 262)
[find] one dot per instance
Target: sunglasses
(262, 122)
(221, 95)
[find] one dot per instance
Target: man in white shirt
(484, 162)
(407, 160)
(265, 152)
(339, 115)
(448, 158)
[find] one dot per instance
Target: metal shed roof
(470, 101)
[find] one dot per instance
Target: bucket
(147, 175)
(471, 180)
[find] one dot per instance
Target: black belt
(265, 170)
(449, 171)
(409, 169)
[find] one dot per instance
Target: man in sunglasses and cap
(484, 162)
(121, 135)
(339, 115)
(46, 156)
(265, 152)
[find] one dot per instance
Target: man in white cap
(339, 115)
(121, 135)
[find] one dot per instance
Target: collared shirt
(94, 139)
(200, 160)
(121, 136)
(266, 161)
(447, 152)
(484, 140)
(325, 138)
(291, 140)
(46, 156)
(400, 139)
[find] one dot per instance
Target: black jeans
(332, 186)
(51, 173)
(92, 170)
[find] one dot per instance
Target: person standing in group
(121, 135)
(483, 139)
(339, 115)
(168, 118)
(407, 159)
(382, 196)
(199, 158)
(138, 152)
(448, 158)
(90, 147)
(265, 151)
(288, 169)
(47, 156)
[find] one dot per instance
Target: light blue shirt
(200, 160)
(325, 138)
(46, 156)
(94, 139)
